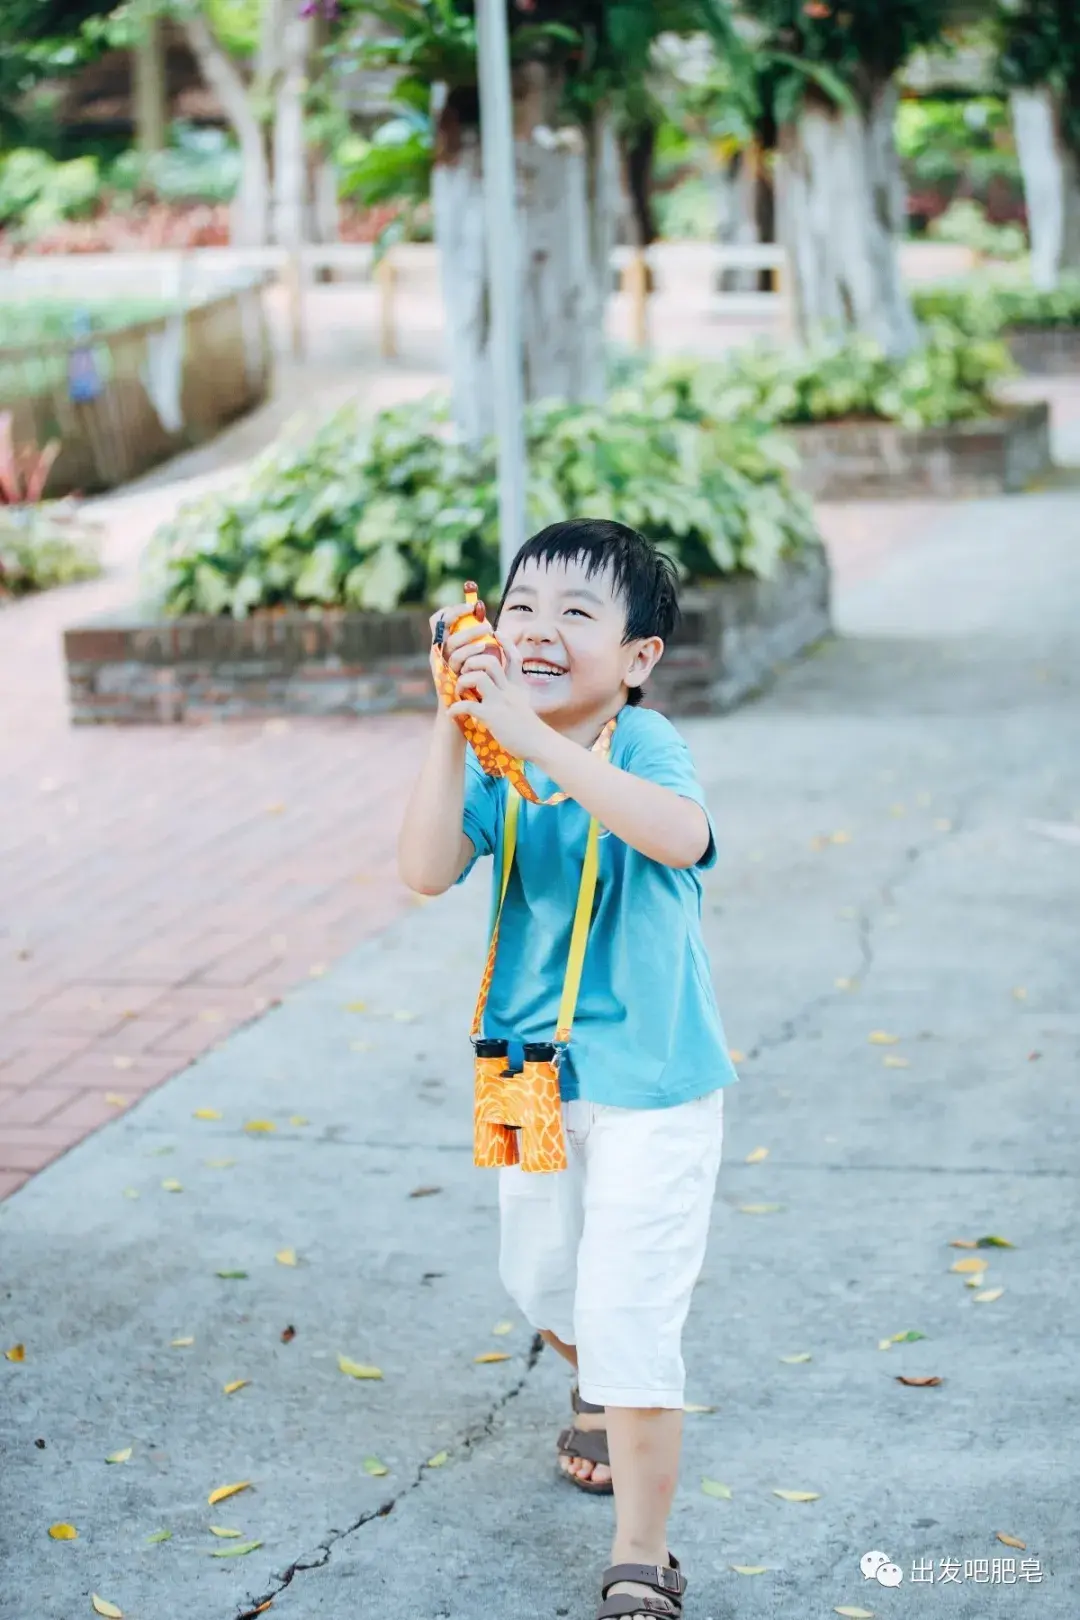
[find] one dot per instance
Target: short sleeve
(657, 752)
(479, 820)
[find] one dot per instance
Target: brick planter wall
(734, 634)
(854, 461)
(1045, 351)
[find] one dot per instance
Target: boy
(602, 1257)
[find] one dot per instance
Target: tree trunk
(840, 202)
(291, 197)
(148, 64)
(1051, 186)
(747, 215)
(567, 191)
(251, 208)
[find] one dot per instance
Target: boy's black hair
(645, 578)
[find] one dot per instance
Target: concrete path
(893, 935)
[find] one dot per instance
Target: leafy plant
(36, 192)
(41, 544)
(986, 308)
(951, 378)
(396, 512)
(965, 224)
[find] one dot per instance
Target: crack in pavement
(469, 1442)
(866, 928)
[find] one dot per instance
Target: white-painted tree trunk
(1051, 185)
(737, 196)
(567, 201)
(291, 197)
(840, 207)
(251, 207)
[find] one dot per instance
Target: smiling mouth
(536, 671)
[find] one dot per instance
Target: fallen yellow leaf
(713, 1487)
(919, 1383)
(502, 1327)
(736, 1056)
(691, 1407)
(757, 1155)
(995, 1243)
(962, 1243)
(206, 1113)
(974, 1282)
(404, 1017)
(286, 1257)
(841, 838)
(885, 1344)
(223, 1492)
(172, 1186)
(179, 1344)
(224, 1532)
(219, 1164)
(211, 1015)
(749, 1569)
(159, 1535)
(803, 1355)
(119, 1456)
(846, 984)
(988, 1295)
(275, 809)
(115, 1100)
(123, 1062)
(260, 1125)
(492, 1355)
(798, 1496)
(437, 1461)
(1012, 1541)
(239, 1551)
(63, 1532)
(356, 1369)
(851, 1613)
(130, 1192)
(109, 1610)
(971, 1264)
(16, 1353)
(880, 1037)
(892, 1062)
(298, 1120)
(375, 1468)
(1020, 993)
(356, 1006)
(760, 1209)
(237, 1383)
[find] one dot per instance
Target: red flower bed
(170, 226)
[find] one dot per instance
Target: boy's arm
(655, 820)
(433, 850)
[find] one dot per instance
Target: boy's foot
(585, 1461)
(657, 1591)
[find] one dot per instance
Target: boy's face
(556, 619)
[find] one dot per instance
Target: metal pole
(497, 145)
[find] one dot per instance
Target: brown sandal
(667, 1579)
(588, 1443)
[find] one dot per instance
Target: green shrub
(965, 223)
(35, 192)
(951, 378)
(983, 308)
(394, 512)
(43, 546)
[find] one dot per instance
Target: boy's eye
(523, 607)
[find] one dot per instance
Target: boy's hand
(457, 648)
(503, 706)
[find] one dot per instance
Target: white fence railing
(197, 272)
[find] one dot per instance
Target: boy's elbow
(695, 845)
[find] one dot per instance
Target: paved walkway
(163, 887)
(892, 928)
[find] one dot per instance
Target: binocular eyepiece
(534, 1051)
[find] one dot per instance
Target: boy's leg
(650, 1179)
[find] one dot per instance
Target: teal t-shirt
(647, 1032)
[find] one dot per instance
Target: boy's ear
(644, 656)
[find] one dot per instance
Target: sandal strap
(590, 1444)
(582, 1406)
(668, 1580)
(624, 1605)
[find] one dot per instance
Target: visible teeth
(540, 669)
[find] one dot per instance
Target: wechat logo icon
(880, 1567)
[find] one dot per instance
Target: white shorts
(605, 1253)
